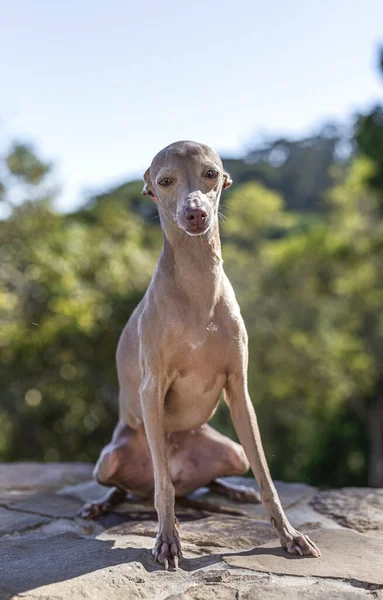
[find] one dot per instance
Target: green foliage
(23, 163)
(310, 285)
(254, 209)
(369, 136)
(312, 308)
(299, 170)
(67, 288)
(369, 139)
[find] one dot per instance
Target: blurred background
(290, 95)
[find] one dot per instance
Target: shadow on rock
(29, 564)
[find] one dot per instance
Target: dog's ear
(227, 180)
(147, 189)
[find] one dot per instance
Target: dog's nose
(196, 216)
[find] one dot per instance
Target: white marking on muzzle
(196, 234)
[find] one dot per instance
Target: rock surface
(47, 552)
(357, 508)
(345, 555)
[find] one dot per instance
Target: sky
(101, 87)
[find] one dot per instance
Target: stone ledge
(46, 551)
(37, 476)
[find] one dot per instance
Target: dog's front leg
(246, 425)
(167, 548)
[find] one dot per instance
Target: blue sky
(100, 87)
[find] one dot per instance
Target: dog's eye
(211, 174)
(165, 182)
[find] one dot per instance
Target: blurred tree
(23, 163)
(67, 287)
(311, 300)
(309, 284)
(369, 139)
(22, 175)
(296, 169)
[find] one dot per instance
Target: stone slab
(52, 555)
(85, 491)
(305, 517)
(28, 564)
(9, 496)
(49, 504)
(345, 554)
(290, 494)
(216, 531)
(69, 566)
(356, 508)
(12, 521)
(38, 476)
(273, 590)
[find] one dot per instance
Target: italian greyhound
(184, 345)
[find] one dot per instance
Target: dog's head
(186, 179)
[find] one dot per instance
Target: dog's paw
(167, 549)
(243, 493)
(92, 510)
(299, 543)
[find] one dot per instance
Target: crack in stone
(31, 512)
(355, 583)
(20, 510)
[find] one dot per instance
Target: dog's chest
(201, 352)
(200, 371)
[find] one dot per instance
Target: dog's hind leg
(234, 491)
(199, 458)
(124, 465)
(97, 508)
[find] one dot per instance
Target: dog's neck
(195, 263)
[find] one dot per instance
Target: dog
(185, 345)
